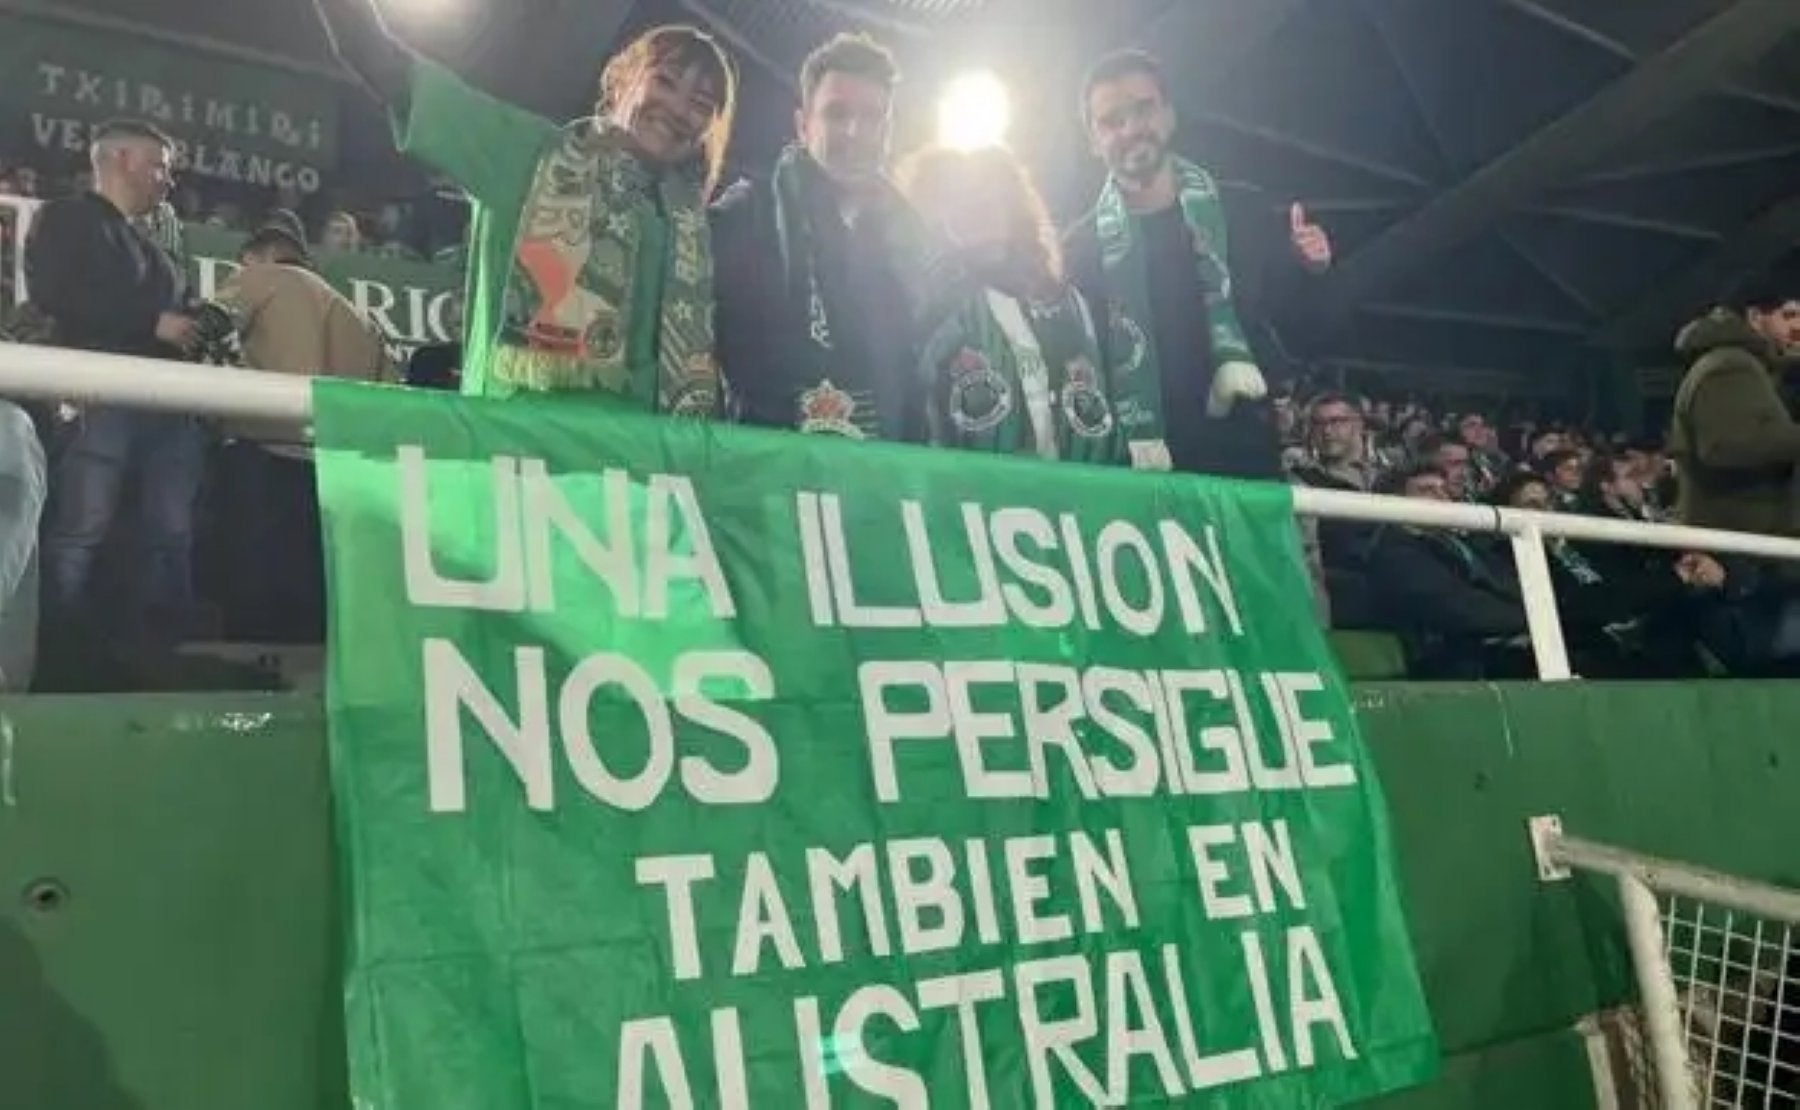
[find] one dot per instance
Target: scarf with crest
(1020, 376)
(842, 397)
(574, 292)
(1137, 368)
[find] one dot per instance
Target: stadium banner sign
(232, 120)
(690, 765)
(412, 303)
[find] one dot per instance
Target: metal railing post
(1539, 593)
(1656, 992)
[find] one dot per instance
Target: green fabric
(843, 401)
(979, 398)
(1136, 364)
(491, 149)
(244, 122)
(495, 150)
(576, 651)
(610, 252)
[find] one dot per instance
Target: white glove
(1234, 381)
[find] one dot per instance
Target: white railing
(53, 374)
(1714, 956)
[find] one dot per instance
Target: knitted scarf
(839, 402)
(573, 294)
(1137, 369)
(1005, 375)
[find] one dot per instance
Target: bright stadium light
(975, 111)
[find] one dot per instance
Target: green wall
(166, 918)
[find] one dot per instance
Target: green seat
(1369, 656)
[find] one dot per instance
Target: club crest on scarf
(697, 393)
(827, 410)
(980, 398)
(572, 296)
(1084, 405)
(1127, 338)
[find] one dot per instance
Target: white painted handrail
(55, 374)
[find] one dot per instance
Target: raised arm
(486, 145)
(361, 41)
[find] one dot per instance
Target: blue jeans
(104, 462)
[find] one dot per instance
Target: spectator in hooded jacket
(1735, 445)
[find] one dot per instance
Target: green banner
(232, 120)
(413, 303)
(686, 765)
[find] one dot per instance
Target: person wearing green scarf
(824, 270)
(1154, 259)
(1011, 366)
(591, 265)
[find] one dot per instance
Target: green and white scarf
(1013, 377)
(840, 399)
(573, 292)
(1136, 368)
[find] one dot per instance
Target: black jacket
(101, 280)
(1445, 608)
(1244, 444)
(762, 324)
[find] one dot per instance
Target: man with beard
(1153, 255)
(591, 273)
(823, 268)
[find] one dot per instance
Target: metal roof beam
(1656, 87)
(1758, 245)
(1427, 314)
(881, 21)
(739, 41)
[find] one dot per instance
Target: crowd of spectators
(1454, 599)
(423, 228)
(106, 273)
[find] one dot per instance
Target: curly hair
(938, 178)
(679, 47)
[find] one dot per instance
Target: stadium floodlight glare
(421, 10)
(975, 112)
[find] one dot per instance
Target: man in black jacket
(108, 287)
(1452, 598)
(1153, 259)
(821, 268)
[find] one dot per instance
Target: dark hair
(1395, 481)
(681, 47)
(274, 238)
(1436, 442)
(1599, 474)
(1508, 487)
(132, 129)
(1554, 459)
(856, 55)
(1769, 289)
(1116, 66)
(1320, 400)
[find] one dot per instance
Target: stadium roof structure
(1537, 186)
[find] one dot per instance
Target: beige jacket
(293, 322)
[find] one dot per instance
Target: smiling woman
(591, 267)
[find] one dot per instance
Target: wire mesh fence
(1737, 977)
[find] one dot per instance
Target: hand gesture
(1309, 239)
(177, 330)
(1700, 571)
